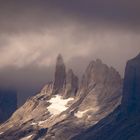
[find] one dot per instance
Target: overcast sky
(34, 32)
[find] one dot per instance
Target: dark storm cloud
(126, 11)
(25, 14)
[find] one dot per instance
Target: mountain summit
(60, 75)
(66, 106)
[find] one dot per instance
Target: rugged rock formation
(65, 84)
(72, 84)
(124, 122)
(8, 103)
(71, 109)
(100, 90)
(60, 75)
(99, 73)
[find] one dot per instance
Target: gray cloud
(73, 40)
(36, 13)
(34, 32)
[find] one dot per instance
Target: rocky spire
(60, 75)
(71, 84)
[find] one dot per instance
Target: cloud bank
(74, 41)
(34, 32)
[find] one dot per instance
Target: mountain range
(93, 108)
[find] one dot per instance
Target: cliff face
(131, 89)
(124, 122)
(65, 83)
(72, 84)
(66, 106)
(60, 75)
(8, 103)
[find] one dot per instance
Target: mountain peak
(60, 60)
(99, 61)
(60, 75)
(98, 72)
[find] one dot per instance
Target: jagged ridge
(66, 106)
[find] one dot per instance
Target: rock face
(131, 90)
(124, 122)
(60, 75)
(102, 86)
(72, 84)
(8, 103)
(66, 106)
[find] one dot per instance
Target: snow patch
(58, 104)
(80, 114)
(26, 138)
(33, 123)
(39, 123)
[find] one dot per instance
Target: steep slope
(64, 107)
(124, 122)
(8, 103)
